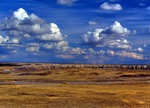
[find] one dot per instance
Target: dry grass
(66, 95)
(74, 96)
(77, 74)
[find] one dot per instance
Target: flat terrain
(74, 87)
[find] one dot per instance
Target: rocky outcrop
(38, 67)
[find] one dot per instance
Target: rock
(6, 71)
(40, 67)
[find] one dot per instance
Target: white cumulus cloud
(139, 49)
(20, 14)
(112, 36)
(23, 29)
(21, 25)
(130, 55)
(2, 39)
(77, 50)
(109, 6)
(66, 2)
(116, 29)
(15, 41)
(92, 23)
(32, 49)
(62, 46)
(119, 43)
(92, 37)
(110, 52)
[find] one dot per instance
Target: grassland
(75, 88)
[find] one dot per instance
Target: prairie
(75, 88)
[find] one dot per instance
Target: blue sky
(75, 31)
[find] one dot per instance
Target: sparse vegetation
(75, 88)
(75, 96)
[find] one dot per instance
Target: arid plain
(29, 85)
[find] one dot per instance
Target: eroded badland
(74, 86)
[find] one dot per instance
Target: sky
(75, 31)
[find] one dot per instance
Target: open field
(74, 87)
(74, 96)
